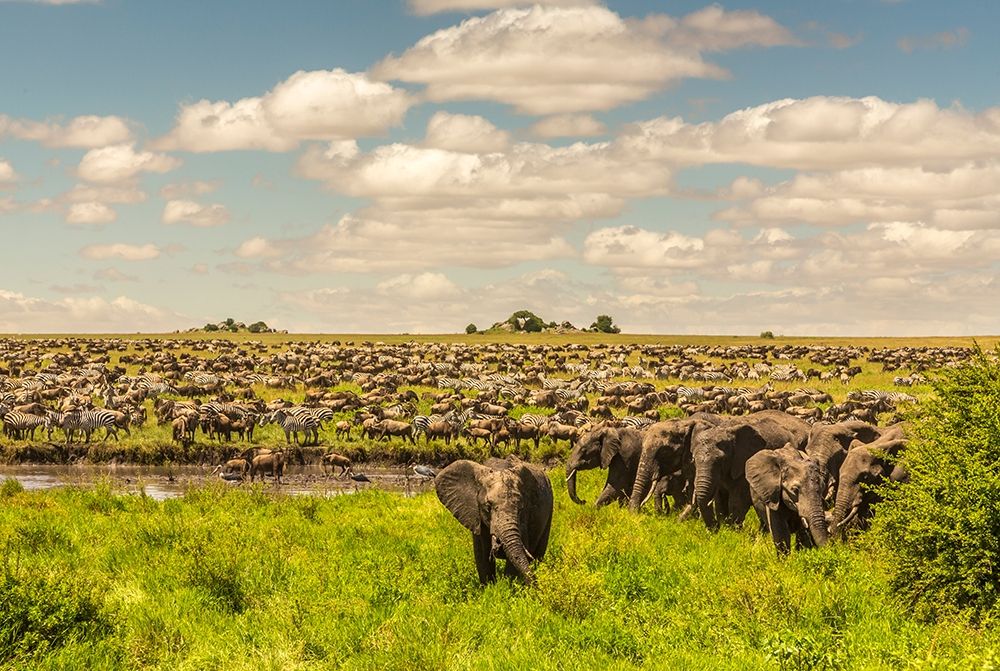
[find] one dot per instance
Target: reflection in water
(166, 482)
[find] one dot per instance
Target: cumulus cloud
(313, 105)
(464, 133)
(121, 163)
(184, 189)
(90, 213)
(568, 125)
(425, 286)
(87, 314)
(552, 60)
(823, 133)
(7, 173)
(196, 214)
(86, 132)
(121, 251)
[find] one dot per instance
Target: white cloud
(121, 251)
(121, 163)
(90, 213)
(196, 214)
(424, 7)
(26, 314)
(7, 173)
(315, 105)
(423, 287)
(947, 39)
(113, 275)
(568, 125)
(464, 133)
(86, 132)
(823, 133)
(87, 193)
(256, 248)
(551, 60)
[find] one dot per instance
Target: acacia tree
(604, 324)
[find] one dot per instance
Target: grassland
(239, 579)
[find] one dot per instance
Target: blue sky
(807, 168)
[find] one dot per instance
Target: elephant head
(596, 449)
(864, 467)
(666, 447)
(508, 508)
(828, 444)
(789, 488)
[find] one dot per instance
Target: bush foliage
(940, 532)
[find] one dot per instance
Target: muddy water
(165, 482)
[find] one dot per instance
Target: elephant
(666, 453)
(828, 444)
(864, 467)
(720, 455)
(273, 461)
(507, 505)
(607, 447)
(787, 488)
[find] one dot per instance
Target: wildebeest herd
(711, 431)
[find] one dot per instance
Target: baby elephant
(787, 488)
(507, 505)
(332, 460)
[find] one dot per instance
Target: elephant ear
(764, 475)
(458, 487)
(610, 446)
(535, 486)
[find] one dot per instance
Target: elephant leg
(607, 495)
(739, 504)
(486, 565)
(780, 533)
(762, 516)
(803, 540)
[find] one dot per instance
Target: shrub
(471, 328)
(940, 532)
(604, 324)
(258, 327)
(767, 335)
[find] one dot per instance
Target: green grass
(241, 579)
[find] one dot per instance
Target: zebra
(638, 423)
(533, 420)
(85, 421)
(18, 424)
(292, 424)
(452, 383)
(690, 394)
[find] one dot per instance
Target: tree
(533, 324)
(471, 328)
(767, 335)
(604, 324)
(211, 327)
(258, 327)
(230, 321)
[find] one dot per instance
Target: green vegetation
(767, 335)
(940, 533)
(604, 324)
(230, 325)
(471, 328)
(240, 579)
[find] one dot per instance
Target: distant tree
(258, 327)
(767, 335)
(533, 325)
(211, 327)
(604, 324)
(471, 328)
(230, 321)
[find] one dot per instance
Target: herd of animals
(804, 463)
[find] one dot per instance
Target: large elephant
(865, 467)
(720, 456)
(507, 505)
(666, 454)
(787, 488)
(607, 447)
(828, 445)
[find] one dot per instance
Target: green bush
(767, 335)
(940, 532)
(471, 328)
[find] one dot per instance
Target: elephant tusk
(648, 495)
(848, 517)
(571, 474)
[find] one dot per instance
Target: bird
(424, 471)
(360, 477)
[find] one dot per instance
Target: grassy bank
(225, 579)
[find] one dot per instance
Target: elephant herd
(810, 482)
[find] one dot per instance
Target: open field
(231, 579)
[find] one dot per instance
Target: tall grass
(225, 579)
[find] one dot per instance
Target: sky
(387, 166)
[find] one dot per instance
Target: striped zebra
(84, 421)
(690, 394)
(293, 425)
(453, 383)
(638, 423)
(533, 420)
(21, 425)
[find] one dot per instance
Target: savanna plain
(233, 575)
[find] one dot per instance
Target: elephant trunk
(643, 481)
(846, 506)
(571, 486)
(816, 518)
(704, 492)
(509, 535)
